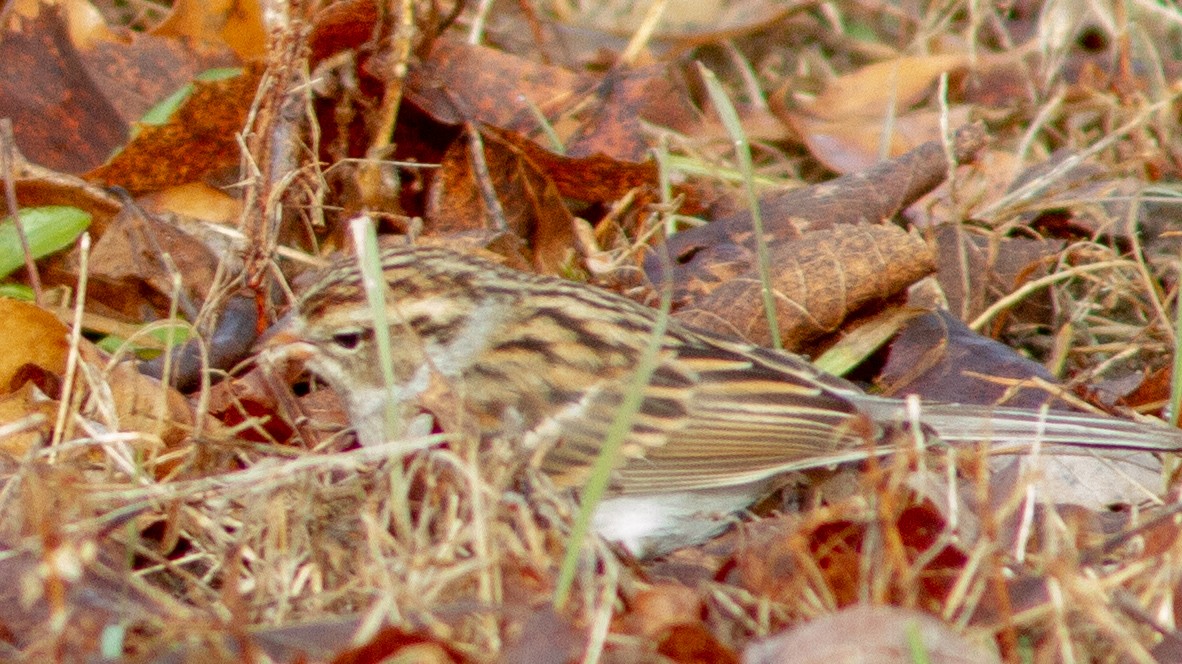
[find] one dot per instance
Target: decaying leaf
(938, 358)
(144, 257)
(460, 83)
(72, 103)
(198, 141)
(817, 281)
(870, 197)
(502, 192)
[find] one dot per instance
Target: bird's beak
(282, 341)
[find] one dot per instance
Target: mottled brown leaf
(595, 178)
(510, 196)
(71, 104)
(627, 98)
(459, 83)
(818, 280)
(869, 197)
(60, 116)
(198, 141)
(128, 264)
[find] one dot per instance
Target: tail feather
(967, 423)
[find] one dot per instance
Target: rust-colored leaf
(504, 193)
(692, 643)
(625, 100)
(341, 26)
(459, 83)
(198, 141)
(392, 643)
(594, 178)
(71, 103)
(60, 116)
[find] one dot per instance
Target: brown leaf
(1153, 390)
(341, 26)
(855, 144)
(872, 90)
(144, 404)
(625, 100)
(870, 197)
(975, 270)
(938, 358)
(137, 259)
(692, 643)
(818, 280)
(459, 83)
(60, 116)
(237, 24)
(20, 405)
(659, 608)
(194, 200)
(594, 178)
(394, 644)
(506, 195)
(37, 185)
(198, 141)
(71, 102)
(843, 127)
(31, 335)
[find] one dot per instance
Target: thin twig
(8, 163)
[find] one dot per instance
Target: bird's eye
(349, 340)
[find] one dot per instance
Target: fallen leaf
(71, 102)
(509, 195)
(459, 83)
(868, 198)
(817, 282)
(627, 99)
(234, 23)
(938, 358)
(31, 335)
(199, 140)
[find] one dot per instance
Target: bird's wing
(714, 419)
